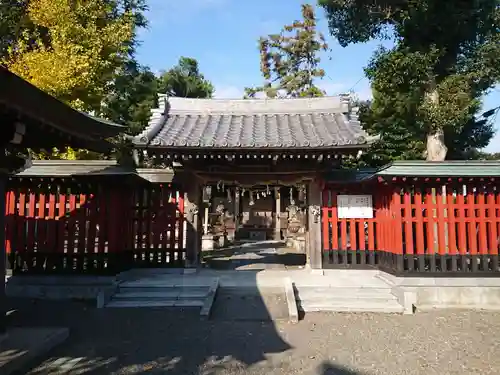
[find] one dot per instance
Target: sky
(222, 35)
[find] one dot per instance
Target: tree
(289, 61)
(488, 156)
(73, 50)
(13, 21)
(89, 41)
(135, 91)
(131, 97)
(431, 83)
(185, 80)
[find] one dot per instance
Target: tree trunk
(436, 149)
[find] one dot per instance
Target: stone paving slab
(237, 306)
(195, 280)
(270, 278)
(23, 345)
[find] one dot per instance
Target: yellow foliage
(86, 46)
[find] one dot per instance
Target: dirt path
(122, 341)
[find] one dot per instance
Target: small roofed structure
(418, 170)
(253, 165)
(33, 119)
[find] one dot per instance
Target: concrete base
(105, 295)
(434, 293)
(206, 309)
(293, 312)
(59, 287)
(23, 345)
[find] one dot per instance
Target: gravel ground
(131, 341)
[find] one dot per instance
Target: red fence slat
(66, 227)
(424, 226)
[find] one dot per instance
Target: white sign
(354, 207)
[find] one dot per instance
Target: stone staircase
(164, 291)
(242, 295)
(346, 291)
(346, 299)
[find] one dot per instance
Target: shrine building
(252, 168)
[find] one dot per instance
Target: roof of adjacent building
(254, 123)
(451, 168)
(420, 168)
(92, 168)
(25, 99)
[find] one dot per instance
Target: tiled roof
(92, 168)
(254, 123)
(448, 168)
(419, 168)
(23, 97)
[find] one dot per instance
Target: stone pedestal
(300, 244)
(207, 242)
(223, 240)
(297, 243)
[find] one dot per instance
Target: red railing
(64, 227)
(418, 227)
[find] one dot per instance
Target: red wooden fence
(63, 227)
(418, 227)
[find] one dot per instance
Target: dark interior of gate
(255, 226)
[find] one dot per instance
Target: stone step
(349, 305)
(166, 294)
(333, 293)
(169, 282)
(347, 301)
(162, 289)
(155, 303)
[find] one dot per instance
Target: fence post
(397, 229)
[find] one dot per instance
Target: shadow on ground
(155, 341)
(139, 341)
(241, 338)
(328, 368)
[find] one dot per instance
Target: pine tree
(289, 61)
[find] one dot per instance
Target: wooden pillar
(236, 211)
(314, 225)
(277, 224)
(192, 199)
(205, 218)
